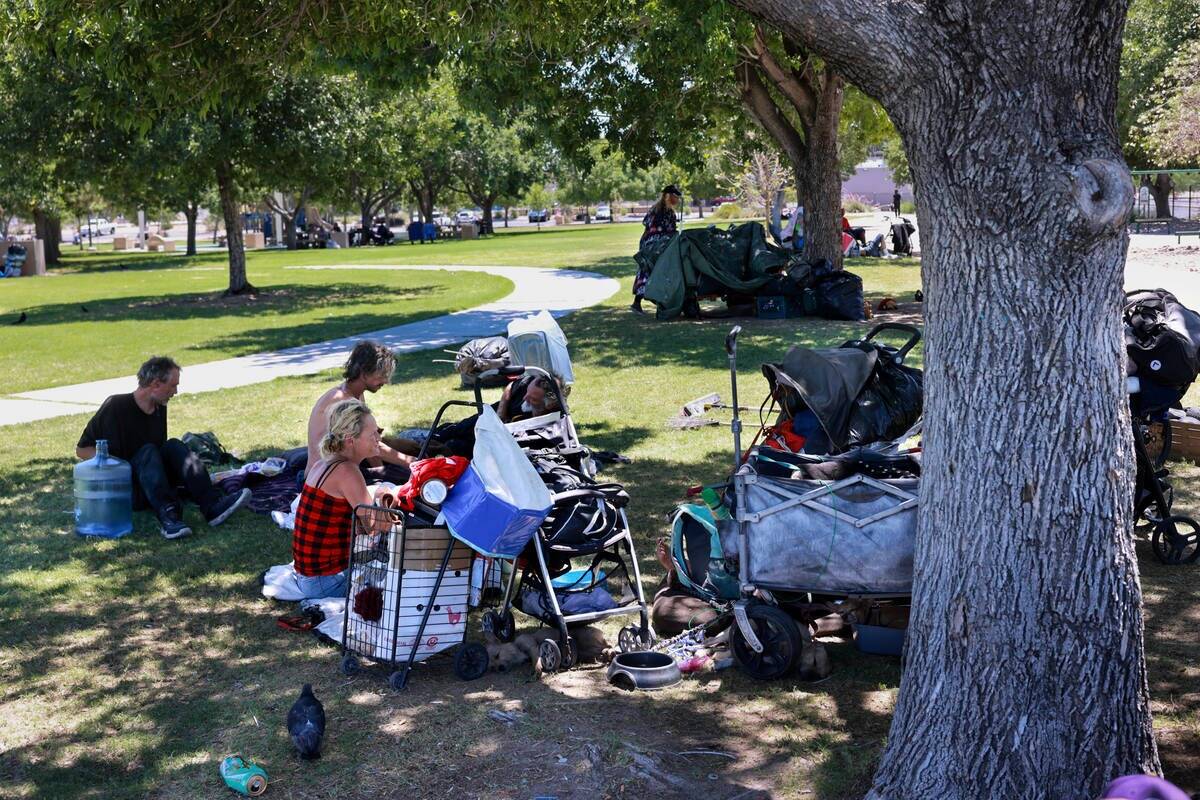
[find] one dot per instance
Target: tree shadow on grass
(279, 299)
(75, 263)
(137, 664)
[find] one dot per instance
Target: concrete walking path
(558, 291)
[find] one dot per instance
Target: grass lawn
(132, 667)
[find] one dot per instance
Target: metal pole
(736, 425)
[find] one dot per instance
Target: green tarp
(711, 261)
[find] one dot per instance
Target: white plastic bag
(499, 502)
(538, 341)
(503, 466)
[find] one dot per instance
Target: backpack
(1162, 337)
(698, 557)
(585, 514)
(207, 447)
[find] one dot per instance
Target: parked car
(98, 227)
(603, 212)
(539, 215)
(443, 221)
(465, 216)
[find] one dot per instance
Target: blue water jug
(103, 495)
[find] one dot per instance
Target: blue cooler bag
(499, 503)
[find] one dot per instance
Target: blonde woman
(321, 540)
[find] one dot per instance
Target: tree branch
(879, 45)
(797, 90)
(758, 102)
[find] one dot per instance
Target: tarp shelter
(737, 260)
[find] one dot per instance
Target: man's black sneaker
(174, 529)
(227, 505)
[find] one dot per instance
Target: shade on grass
(132, 667)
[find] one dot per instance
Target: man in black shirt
(135, 426)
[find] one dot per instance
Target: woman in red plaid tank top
(321, 539)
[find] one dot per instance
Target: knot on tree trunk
(1103, 193)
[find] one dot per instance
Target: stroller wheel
(550, 656)
(780, 639)
(569, 654)
(632, 639)
(471, 661)
(501, 625)
(350, 666)
(1176, 540)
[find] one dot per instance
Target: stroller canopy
(860, 393)
(828, 381)
(712, 261)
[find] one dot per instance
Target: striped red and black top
(321, 539)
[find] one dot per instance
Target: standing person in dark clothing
(164, 470)
(660, 224)
(896, 202)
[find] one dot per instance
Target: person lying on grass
(368, 369)
(324, 515)
(165, 471)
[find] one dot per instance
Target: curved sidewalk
(558, 291)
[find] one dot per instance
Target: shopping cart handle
(731, 340)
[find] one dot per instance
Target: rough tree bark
(227, 189)
(815, 99)
(190, 211)
(1026, 672)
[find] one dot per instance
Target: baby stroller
(580, 567)
(833, 520)
(1162, 342)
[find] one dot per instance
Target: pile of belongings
(740, 263)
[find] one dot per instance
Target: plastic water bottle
(103, 495)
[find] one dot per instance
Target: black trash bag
(481, 355)
(839, 295)
(1162, 338)
(902, 232)
(889, 404)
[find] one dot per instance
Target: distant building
(872, 182)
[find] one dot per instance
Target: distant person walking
(660, 224)
(896, 202)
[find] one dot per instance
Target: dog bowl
(643, 670)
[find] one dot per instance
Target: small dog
(590, 647)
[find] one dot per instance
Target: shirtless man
(368, 369)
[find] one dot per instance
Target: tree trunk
(226, 187)
(366, 210)
(700, 203)
(48, 228)
(506, 216)
(289, 230)
(1025, 674)
(819, 182)
(190, 212)
(487, 212)
(1160, 190)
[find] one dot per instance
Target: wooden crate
(424, 549)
